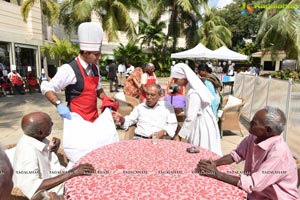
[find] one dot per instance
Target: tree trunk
(49, 33)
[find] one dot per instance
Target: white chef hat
(29, 68)
(43, 71)
(4, 72)
(13, 67)
(90, 36)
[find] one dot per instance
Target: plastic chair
(230, 119)
(127, 105)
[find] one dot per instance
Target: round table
(138, 169)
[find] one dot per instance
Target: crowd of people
(197, 95)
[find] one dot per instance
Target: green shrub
(286, 74)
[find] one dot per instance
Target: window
(269, 65)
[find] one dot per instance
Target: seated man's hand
(54, 196)
(177, 138)
(158, 134)
(54, 145)
(207, 168)
(83, 169)
(118, 118)
(178, 110)
(43, 194)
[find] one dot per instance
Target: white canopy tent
(198, 52)
(201, 52)
(223, 53)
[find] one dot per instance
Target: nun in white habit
(200, 126)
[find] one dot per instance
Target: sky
(219, 3)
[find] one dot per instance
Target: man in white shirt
(129, 70)
(121, 74)
(151, 117)
(80, 78)
(35, 162)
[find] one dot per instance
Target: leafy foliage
(213, 31)
(184, 16)
(241, 26)
(130, 54)
(62, 49)
(114, 15)
(281, 31)
(287, 74)
(50, 9)
(151, 35)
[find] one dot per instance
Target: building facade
(20, 41)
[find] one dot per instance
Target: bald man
(6, 173)
(35, 162)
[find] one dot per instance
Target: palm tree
(281, 31)
(62, 49)
(214, 32)
(114, 15)
(241, 26)
(184, 16)
(48, 7)
(151, 34)
(50, 10)
(130, 53)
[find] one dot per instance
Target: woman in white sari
(200, 126)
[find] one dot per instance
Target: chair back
(230, 119)
(127, 105)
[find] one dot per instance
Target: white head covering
(13, 67)
(181, 70)
(90, 36)
(29, 68)
(43, 71)
(4, 72)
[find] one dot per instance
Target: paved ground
(12, 108)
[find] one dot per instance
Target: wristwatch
(58, 102)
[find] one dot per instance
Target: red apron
(6, 85)
(31, 80)
(150, 80)
(16, 80)
(86, 103)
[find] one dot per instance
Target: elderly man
(6, 172)
(270, 170)
(152, 117)
(35, 163)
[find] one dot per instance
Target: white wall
(14, 29)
